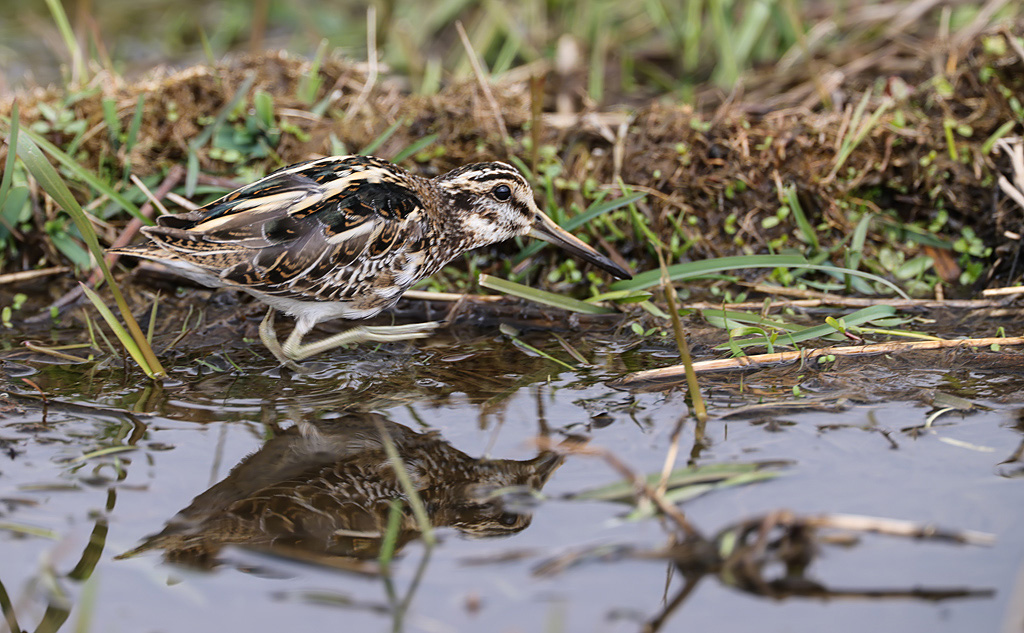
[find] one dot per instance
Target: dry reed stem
(1002, 292)
(26, 275)
(481, 79)
(758, 360)
(824, 298)
(371, 58)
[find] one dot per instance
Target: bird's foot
(294, 350)
(269, 337)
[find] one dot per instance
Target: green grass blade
(691, 34)
(263, 104)
(51, 182)
(990, 142)
(101, 452)
(415, 147)
(375, 144)
(110, 118)
(122, 334)
(622, 296)
(750, 31)
(419, 509)
(851, 131)
(12, 144)
(541, 296)
(70, 41)
(204, 41)
(730, 319)
(689, 270)
(726, 70)
(30, 530)
(513, 335)
(133, 134)
(688, 493)
(310, 82)
(625, 491)
(222, 116)
(862, 132)
(136, 123)
(390, 540)
(82, 174)
(191, 173)
(839, 272)
(810, 235)
(860, 234)
(48, 178)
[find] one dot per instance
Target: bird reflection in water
(324, 491)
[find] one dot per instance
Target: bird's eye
(502, 193)
(508, 519)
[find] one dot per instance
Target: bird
(326, 488)
(345, 237)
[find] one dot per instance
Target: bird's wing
(299, 223)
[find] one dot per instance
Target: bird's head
(497, 203)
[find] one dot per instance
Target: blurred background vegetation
(630, 50)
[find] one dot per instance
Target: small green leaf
(914, 267)
(263, 104)
(864, 315)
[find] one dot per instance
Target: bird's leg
(269, 337)
(294, 350)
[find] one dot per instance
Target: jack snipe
(324, 490)
(345, 236)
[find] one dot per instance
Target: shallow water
(455, 402)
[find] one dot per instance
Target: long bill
(544, 228)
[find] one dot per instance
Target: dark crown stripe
(495, 175)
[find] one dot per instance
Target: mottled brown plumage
(344, 237)
(325, 491)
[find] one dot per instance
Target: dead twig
(1014, 149)
(1002, 292)
(825, 298)
(423, 295)
(26, 275)
(758, 360)
(897, 527)
(371, 59)
(77, 360)
(485, 87)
